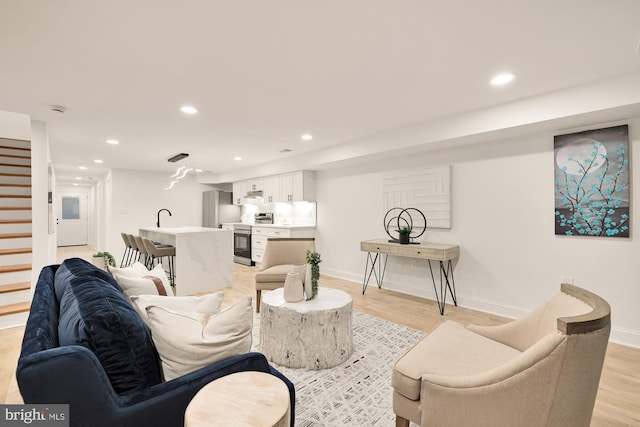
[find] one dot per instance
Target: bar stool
(159, 252)
(135, 253)
(128, 251)
(143, 252)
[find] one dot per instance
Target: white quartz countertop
(181, 230)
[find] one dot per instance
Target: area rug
(358, 392)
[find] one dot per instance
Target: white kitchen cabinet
(271, 189)
(260, 234)
(288, 187)
(255, 184)
(258, 244)
(239, 191)
(297, 186)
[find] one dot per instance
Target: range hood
(253, 194)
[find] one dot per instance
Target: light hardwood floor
(618, 402)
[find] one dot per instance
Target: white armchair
(541, 370)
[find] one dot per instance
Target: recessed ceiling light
(306, 137)
(82, 168)
(78, 178)
(237, 158)
(75, 183)
(198, 170)
(502, 79)
(113, 141)
(187, 109)
(98, 161)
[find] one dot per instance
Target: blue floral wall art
(592, 183)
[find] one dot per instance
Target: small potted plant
(403, 235)
(312, 275)
(104, 260)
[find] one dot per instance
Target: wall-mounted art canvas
(592, 183)
(425, 189)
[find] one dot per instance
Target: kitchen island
(203, 261)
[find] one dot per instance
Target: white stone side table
(314, 334)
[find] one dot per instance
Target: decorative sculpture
(407, 226)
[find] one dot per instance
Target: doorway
(72, 219)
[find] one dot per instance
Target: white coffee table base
(314, 334)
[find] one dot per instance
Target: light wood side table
(243, 399)
(314, 334)
(441, 252)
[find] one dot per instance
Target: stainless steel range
(242, 244)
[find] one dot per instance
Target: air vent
(178, 157)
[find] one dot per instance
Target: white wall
(137, 196)
(43, 243)
(502, 206)
(15, 126)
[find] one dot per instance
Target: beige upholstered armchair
(541, 370)
(279, 255)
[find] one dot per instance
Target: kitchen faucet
(158, 223)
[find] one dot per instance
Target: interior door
(72, 219)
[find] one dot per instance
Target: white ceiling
(262, 73)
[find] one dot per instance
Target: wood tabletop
(434, 251)
(243, 399)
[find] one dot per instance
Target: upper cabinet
(289, 187)
(271, 189)
(297, 187)
(239, 191)
(255, 184)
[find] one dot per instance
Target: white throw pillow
(136, 269)
(145, 285)
(190, 341)
(137, 287)
(158, 271)
(206, 304)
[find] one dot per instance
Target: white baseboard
(618, 335)
(625, 337)
(344, 275)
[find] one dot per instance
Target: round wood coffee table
(314, 334)
(243, 399)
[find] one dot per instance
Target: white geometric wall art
(426, 189)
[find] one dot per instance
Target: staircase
(15, 231)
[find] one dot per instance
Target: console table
(443, 253)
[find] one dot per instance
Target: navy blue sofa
(86, 346)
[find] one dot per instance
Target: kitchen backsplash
(300, 213)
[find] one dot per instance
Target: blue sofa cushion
(76, 267)
(95, 314)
